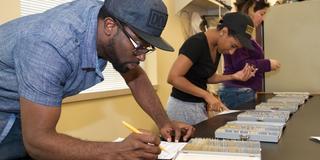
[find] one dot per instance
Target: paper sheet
(227, 112)
(315, 138)
(171, 148)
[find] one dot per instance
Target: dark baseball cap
(147, 18)
(241, 25)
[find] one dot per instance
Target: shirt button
(76, 41)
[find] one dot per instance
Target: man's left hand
(179, 128)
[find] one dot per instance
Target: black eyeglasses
(138, 48)
(264, 1)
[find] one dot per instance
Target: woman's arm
(176, 78)
(246, 73)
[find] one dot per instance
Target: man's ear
(109, 26)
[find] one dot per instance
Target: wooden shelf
(203, 4)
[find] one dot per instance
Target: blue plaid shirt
(48, 56)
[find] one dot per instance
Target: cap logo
(157, 20)
(249, 30)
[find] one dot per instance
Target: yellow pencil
(135, 130)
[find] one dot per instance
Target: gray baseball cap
(147, 18)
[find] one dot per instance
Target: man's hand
(179, 128)
(140, 146)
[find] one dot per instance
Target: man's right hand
(139, 146)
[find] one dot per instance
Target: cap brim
(245, 42)
(157, 42)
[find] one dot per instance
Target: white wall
(292, 36)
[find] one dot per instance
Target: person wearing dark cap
(47, 57)
(196, 66)
(236, 93)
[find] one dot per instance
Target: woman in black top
(196, 66)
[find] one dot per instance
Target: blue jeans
(233, 97)
(12, 146)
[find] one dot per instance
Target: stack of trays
(281, 106)
(207, 148)
(287, 99)
(264, 116)
(266, 122)
(252, 131)
(305, 95)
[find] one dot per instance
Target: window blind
(112, 79)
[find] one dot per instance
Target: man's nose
(141, 57)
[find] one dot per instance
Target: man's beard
(122, 67)
(113, 56)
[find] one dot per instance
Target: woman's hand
(246, 73)
(275, 65)
(214, 103)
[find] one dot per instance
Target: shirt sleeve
(237, 61)
(192, 48)
(41, 71)
(263, 65)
